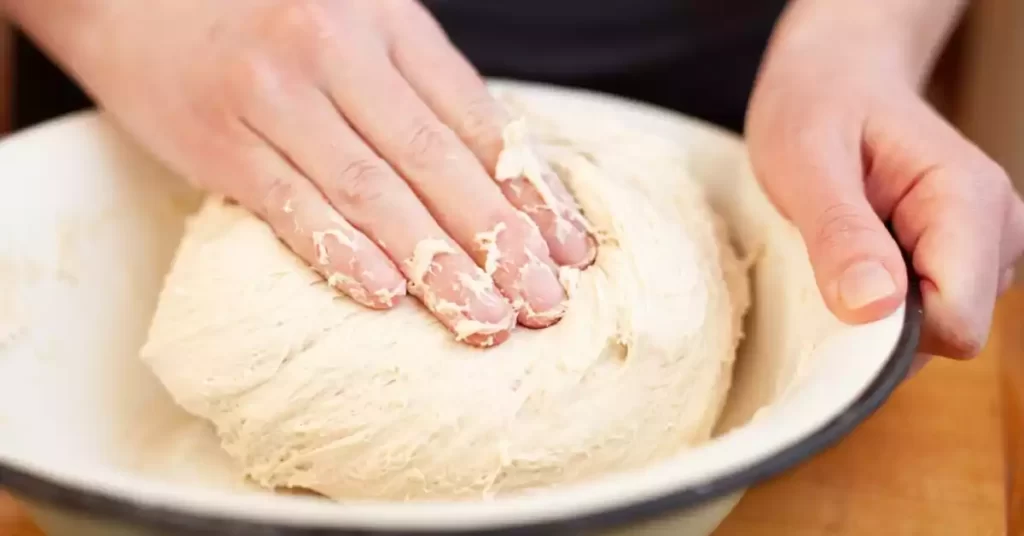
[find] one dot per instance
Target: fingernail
(591, 251)
(573, 245)
(864, 283)
(545, 297)
(352, 289)
(377, 284)
(575, 249)
(387, 297)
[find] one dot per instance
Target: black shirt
(696, 56)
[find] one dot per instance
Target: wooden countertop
(930, 462)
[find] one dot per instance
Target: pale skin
(358, 132)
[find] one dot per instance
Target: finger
(303, 219)
(958, 268)
(310, 132)
(920, 361)
(453, 185)
(1006, 280)
(455, 92)
(948, 192)
(814, 176)
(1012, 245)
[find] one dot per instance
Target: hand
(353, 127)
(842, 142)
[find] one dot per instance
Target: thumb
(858, 266)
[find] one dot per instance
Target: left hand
(842, 141)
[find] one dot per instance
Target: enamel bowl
(92, 444)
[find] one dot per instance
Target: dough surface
(307, 389)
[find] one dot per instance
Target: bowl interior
(91, 224)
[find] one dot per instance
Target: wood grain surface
(929, 463)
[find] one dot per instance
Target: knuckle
(956, 330)
(838, 224)
(971, 159)
(999, 178)
(427, 145)
(987, 176)
(249, 82)
(300, 33)
(361, 182)
(981, 184)
(279, 193)
(995, 171)
(303, 19)
(480, 126)
(965, 343)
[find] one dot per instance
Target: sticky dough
(307, 389)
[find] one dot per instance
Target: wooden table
(929, 463)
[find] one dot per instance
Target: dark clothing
(41, 91)
(695, 56)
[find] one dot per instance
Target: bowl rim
(48, 490)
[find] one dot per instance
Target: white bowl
(92, 443)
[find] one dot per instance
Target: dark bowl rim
(94, 504)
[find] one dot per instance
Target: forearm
(49, 20)
(904, 35)
(104, 43)
(65, 28)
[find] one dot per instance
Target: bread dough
(307, 389)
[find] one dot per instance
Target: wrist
(900, 38)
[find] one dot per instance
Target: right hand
(354, 129)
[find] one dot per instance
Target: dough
(307, 389)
